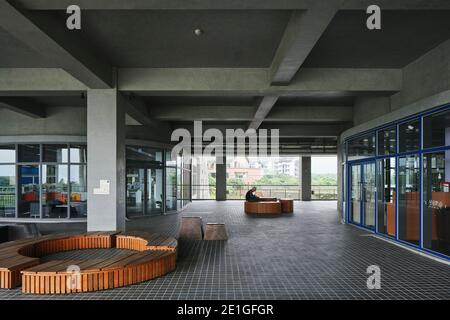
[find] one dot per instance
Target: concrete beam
(31, 81)
(227, 5)
(246, 113)
(302, 32)
(54, 41)
(136, 109)
(254, 81)
(266, 104)
(23, 106)
(286, 130)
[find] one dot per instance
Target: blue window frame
(425, 138)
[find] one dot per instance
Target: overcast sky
(322, 165)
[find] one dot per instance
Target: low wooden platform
(20, 263)
(264, 207)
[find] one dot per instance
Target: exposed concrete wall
(305, 178)
(340, 177)
(106, 160)
(221, 179)
(426, 84)
(66, 121)
(59, 121)
(428, 75)
(368, 108)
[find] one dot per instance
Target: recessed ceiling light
(198, 32)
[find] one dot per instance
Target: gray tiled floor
(307, 255)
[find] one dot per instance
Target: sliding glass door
(144, 191)
(363, 194)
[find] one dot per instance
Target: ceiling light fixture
(198, 32)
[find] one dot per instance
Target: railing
(237, 192)
(324, 192)
(203, 192)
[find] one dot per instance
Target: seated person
(250, 195)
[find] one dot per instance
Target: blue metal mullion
(421, 185)
(376, 197)
(362, 211)
(396, 196)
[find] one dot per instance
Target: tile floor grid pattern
(307, 255)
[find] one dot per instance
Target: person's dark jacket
(249, 196)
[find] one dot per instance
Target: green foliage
(211, 181)
(277, 180)
(235, 182)
(328, 179)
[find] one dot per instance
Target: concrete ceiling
(404, 37)
(161, 39)
(298, 65)
(15, 54)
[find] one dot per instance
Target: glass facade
(412, 179)
(49, 181)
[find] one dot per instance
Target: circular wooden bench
(263, 207)
(20, 264)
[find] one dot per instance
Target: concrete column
(106, 160)
(305, 178)
(221, 179)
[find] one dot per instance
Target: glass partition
(386, 196)
(29, 191)
(171, 189)
(55, 191)
(7, 191)
(7, 153)
(436, 202)
(363, 147)
(78, 191)
(409, 136)
(55, 153)
(29, 153)
(387, 141)
(408, 199)
(436, 130)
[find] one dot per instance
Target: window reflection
(55, 153)
(28, 185)
(436, 130)
(78, 191)
(7, 191)
(362, 147)
(78, 153)
(7, 154)
(436, 198)
(387, 141)
(386, 196)
(54, 191)
(408, 201)
(29, 153)
(409, 138)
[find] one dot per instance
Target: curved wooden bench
(264, 207)
(154, 256)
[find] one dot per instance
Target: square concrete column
(106, 160)
(221, 179)
(305, 178)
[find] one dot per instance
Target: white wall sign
(103, 189)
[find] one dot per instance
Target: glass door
(355, 194)
(363, 194)
(144, 191)
(135, 191)
(369, 192)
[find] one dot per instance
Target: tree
(279, 179)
